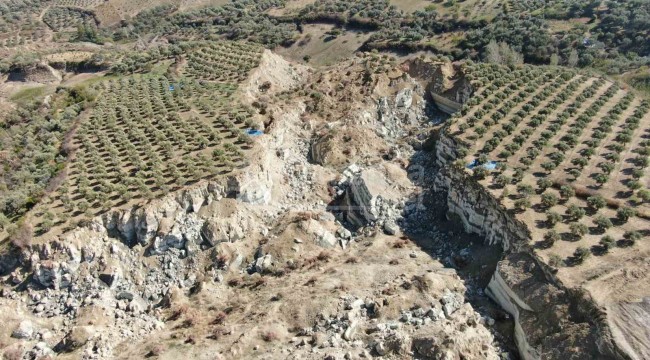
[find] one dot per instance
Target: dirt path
(42, 14)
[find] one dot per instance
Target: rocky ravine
(254, 266)
(552, 321)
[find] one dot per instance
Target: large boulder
(369, 198)
(177, 233)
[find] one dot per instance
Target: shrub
(580, 162)
(544, 184)
(501, 180)
(480, 172)
(607, 242)
(551, 237)
(601, 178)
(625, 213)
(606, 167)
(578, 230)
(522, 204)
(581, 254)
(46, 225)
(574, 212)
(553, 218)
(567, 191)
(596, 202)
(324, 256)
(156, 350)
(549, 200)
(633, 184)
(219, 318)
(555, 260)
(4, 221)
(549, 166)
(632, 236)
(525, 190)
(270, 336)
(603, 222)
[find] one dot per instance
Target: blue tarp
(254, 132)
(490, 165)
(171, 87)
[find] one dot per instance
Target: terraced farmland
(19, 23)
(222, 61)
(567, 153)
(148, 135)
(85, 4)
(66, 18)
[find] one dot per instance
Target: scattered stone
(380, 348)
(344, 233)
(263, 264)
(390, 227)
(451, 302)
(25, 330)
(350, 331)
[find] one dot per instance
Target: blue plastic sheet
(490, 165)
(254, 132)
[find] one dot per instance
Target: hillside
(564, 156)
(324, 179)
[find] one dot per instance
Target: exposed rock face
(629, 322)
(448, 85)
(222, 230)
(53, 274)
(523, 285)
(370, 198)
(394, 114)
(421, 331)
(321, 235)
(143, 225)
(478, 211)
(275, 71)
(264, 263)
(113, 285)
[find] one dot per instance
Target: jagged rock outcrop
(142, 225)
(370, 198)
(398, 112)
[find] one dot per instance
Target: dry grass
(321, 49)
(324, 256)
(270, 336)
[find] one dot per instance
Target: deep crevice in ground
(446, 241)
